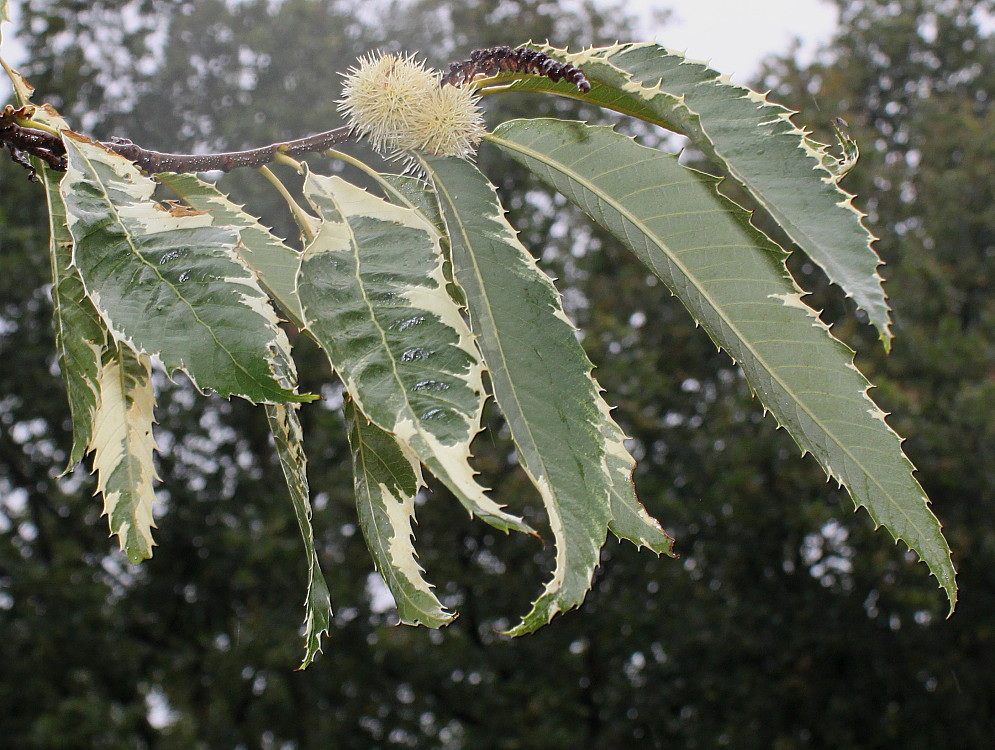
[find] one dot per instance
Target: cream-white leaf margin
(566, 441)
(123, 446)
(81, 338)
(273, 261)
(629, 519)
(733, 280)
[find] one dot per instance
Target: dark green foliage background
(787, 623)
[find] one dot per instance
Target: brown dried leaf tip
(491, 60)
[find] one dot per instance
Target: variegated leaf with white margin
(373, 294)
(753, 140)
(387, 477)
(122, 446)
(629, 520)
(167, 282)
(541, 379)
(81, 338)
(733, 280)
(274, 262)
(288, 437)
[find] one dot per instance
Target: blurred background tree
(787, 623)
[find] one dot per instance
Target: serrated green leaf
(274, 262)
(80, 335)
(123, 445)
(373, 295)
(753, 140)
(169, 283)
(540, 375)
(289, 439)
(733, 280)
(386, 479)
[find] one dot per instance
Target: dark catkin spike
(491, 60)
(529, 56)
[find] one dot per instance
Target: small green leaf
(373, 294)
(288, 437)
(169, 283)
(541, 378)
(123, 445)
(273, 261)
(753, 140)
(387, 478)
(733, 280)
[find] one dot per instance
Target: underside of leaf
(733, 280)
(749, 137)
(541, 378)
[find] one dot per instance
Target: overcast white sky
(735, 35)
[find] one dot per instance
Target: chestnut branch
(22, 140)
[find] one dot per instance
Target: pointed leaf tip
(387, 478)
(123, 447)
